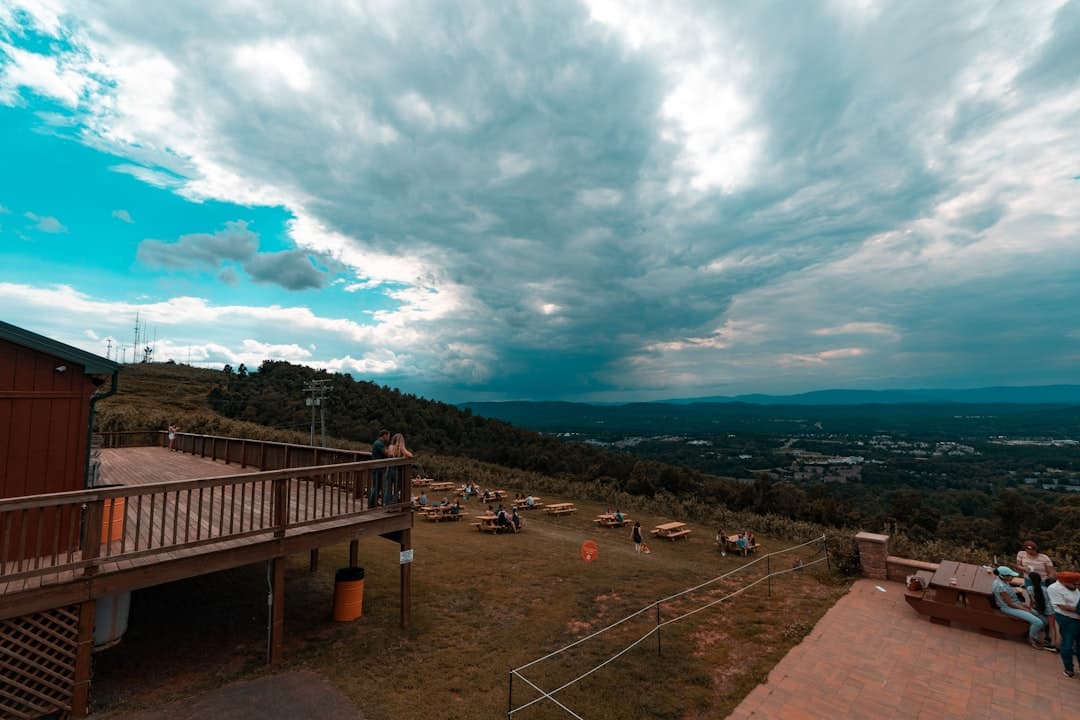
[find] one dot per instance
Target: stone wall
(877, 563)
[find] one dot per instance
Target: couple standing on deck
(386, 482)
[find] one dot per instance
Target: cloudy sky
(577, 199)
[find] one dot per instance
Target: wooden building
(212, 504)
(47, 394)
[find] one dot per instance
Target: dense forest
(972, 503)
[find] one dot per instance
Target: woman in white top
(1030, 560)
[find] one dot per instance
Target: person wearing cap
(1064, 596)
(1030, 560)
(1007, 603)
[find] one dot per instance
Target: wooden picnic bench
(439, 513)
(610, 521)
(488, 523)
(671, 530)
(961, 592)
(560, 508)
(520, 504)
(730, 544)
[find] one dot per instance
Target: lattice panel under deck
(37, 662)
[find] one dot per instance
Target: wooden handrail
(166, 516)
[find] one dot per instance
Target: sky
(597, 200)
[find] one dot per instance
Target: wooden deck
(173, 515)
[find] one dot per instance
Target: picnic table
(671, 530)
(963, 593)
(560, 508)
(421, 481)
(520, 503)
(442, 486)
(610, 520)
(488, 522)
(730, 543)
(438, 513)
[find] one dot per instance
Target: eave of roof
(92, 364)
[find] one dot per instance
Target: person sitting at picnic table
(487, 495)
(515, 520)
(751, 541)
(455, 509)
(740, 543)
(1006, 600)
(423, 498)
(1064, 596)
(530, 501)
(1030, 560)
(502, 519)
(618, 515)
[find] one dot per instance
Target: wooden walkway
(219, 512)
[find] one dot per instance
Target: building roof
(92, 364)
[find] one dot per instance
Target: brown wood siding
(44, 416)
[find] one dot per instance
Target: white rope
(670, 597)
(544, 695)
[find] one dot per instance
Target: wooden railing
(83, 530)
(263, 454)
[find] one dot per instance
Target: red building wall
(44, 416)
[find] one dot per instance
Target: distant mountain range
(1043, 410)
(1030, 395)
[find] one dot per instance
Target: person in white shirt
(1064, 595)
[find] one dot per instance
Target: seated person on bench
(1005, 597)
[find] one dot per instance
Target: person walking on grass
(635, 535)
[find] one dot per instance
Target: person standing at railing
(396, 475)
(378, 475)
(172, 436)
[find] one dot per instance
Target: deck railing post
(91, 534)
(281, 506)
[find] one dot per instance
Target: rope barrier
(546, 695)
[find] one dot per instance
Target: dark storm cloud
(291, 269)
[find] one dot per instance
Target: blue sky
(594, 199)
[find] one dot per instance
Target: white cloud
(512, 165)
(46, 224)
(122, 216)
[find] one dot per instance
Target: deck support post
(314, 565)
(277, 611)
(80, 694)
(354, 553)
(406, 579)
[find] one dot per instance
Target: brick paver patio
(872, 657)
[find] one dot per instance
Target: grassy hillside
(482, 604)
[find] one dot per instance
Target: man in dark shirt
(378, 476)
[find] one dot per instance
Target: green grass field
(484, 604)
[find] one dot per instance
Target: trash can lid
(349, 574)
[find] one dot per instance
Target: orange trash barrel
(112, 520)
(348, 594)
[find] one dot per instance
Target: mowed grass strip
(483, 604)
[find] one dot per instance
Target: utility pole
(319, 390)
(108, 348)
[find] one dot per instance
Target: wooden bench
(560, 509)
(611, 522)
(673, 534)
(978, 613)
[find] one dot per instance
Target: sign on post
(406, 556)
